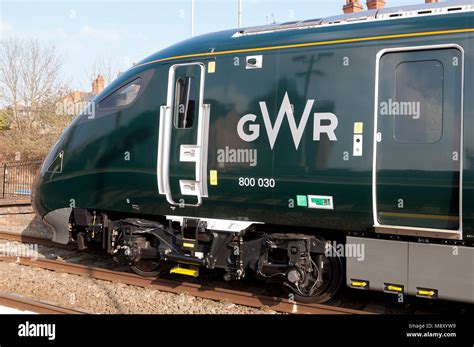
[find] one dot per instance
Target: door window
(418, 104)
(185, 104)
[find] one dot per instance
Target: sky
(128, 31)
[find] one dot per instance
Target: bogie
(297, 261)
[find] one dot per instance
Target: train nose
(55, 217)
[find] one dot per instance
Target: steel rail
(34, 240)
(25, 304)
(166, 285)
(14, 203)
(217, 294)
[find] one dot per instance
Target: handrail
(164, 142)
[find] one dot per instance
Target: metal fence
(16, 179)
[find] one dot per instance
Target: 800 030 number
(256, 182)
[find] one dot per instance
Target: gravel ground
(96, 296)
(21, 220)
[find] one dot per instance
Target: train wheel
(322, 282)
(149, 268)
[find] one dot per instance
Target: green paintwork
(418, 183)
(96, 176)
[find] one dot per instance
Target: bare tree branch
(107, 67)
(30, 88)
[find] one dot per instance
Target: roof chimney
(430, 1)
(98, 84)
(375, 4)
(352, 6)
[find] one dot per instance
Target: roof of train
(361, 25)
(397, 22)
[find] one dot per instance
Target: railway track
(24, 304)
(167, 285)
(36, 240)
(14, 202)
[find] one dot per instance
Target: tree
(10, 55)
(4, 120)
(29, 80)
(107, 67)
(30, 90)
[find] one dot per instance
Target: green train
(310, 153)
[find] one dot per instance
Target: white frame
(404, 230)
(164, 139)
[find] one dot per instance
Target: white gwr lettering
(297, 130)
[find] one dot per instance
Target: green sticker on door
(302, 200)
(315, 201)
(320, 201)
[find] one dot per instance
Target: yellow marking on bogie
(192, 271)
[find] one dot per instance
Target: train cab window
(185, 102)
(123, 96)
(418, 106)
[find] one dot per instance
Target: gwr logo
(296, 130)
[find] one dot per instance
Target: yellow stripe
(311, 44)
(419, 215)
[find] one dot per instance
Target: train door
(183, 137)
(417, 173)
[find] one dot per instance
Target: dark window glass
(185, 102)
(123, 96)
(418, 107)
